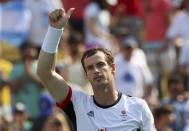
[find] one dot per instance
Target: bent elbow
(43, 73)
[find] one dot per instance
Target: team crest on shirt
(123, 115)
(90, 113)
(102, 129)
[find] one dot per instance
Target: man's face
(98, 71)
(29, 53)
(127, 52)
(175, 89)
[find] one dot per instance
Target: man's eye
(100, 64)
(89, 67)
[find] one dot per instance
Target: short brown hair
(92, 51)
(162, 111)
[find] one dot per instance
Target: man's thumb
(69, 13)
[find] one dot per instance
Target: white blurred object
(57, 3)
(39, 10)
(112, 2)
(6, 112)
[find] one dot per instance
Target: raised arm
(55, 84)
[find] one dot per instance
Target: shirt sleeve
(173, 30)
(63, 104)
(78, 97)
(147, 119)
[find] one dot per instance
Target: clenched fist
(59, 18)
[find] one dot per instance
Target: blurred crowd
(149, 39)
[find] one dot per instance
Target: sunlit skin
(101, 77)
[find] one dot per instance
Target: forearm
(46, 62)
(46, 66)
(55, 84)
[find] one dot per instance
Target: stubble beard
(103, 87)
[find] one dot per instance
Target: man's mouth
(98, 78)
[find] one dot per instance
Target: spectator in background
(57, 122)
(160, 56)
(76, 21)
(163, 117)
(20, 118)
(76, 73)
(133, 76)
(39, 10)
(178, 35)
(176, 99)
(178, 31)
(97, 21)
(14, 29)
(5, 92)
(46, 108)
(184, 64)
(127, 15)
(25, 85)
(155, 19)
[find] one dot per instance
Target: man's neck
(106, 97)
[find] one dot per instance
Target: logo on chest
(90, 113)
(123, 115)
(102, 129)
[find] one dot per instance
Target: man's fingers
(59, 14)
(69, 13)
(59, 18)
(53, 16)
(56, 15)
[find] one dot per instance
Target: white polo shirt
(179, 26)
(126, 114)
(132, 76)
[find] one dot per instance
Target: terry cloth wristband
(66, 101)
(52, 39)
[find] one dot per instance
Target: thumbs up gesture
(59, 18)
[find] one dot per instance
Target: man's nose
(96, 69)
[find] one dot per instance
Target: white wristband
(52, 39)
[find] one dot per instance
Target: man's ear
(113, 68)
